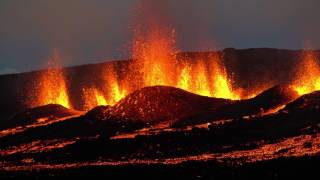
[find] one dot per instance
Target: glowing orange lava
(154, 54)
(92, 98)
(185, 78)
(52, 86)
(154, 63)
(116, 90)
(206, 80)
(222, 86)
(307, 77)
(201, 80)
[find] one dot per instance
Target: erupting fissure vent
(155, 63)
(51, 85)
(307, 78)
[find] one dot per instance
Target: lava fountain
(154, 55)
(307, 78)
(93, 96)
(51, 85)
(154, 63)
(116, 89)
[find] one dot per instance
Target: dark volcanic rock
(306, 102)
(98, 113)
(275, 96)
(239, 143)
(145, 107)
(42, 113)
(272, 98)
(301, 116)
(139, 109)
(75, 127)
(163, 103)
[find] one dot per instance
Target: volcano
(160, 131)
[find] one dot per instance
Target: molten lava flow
(51, 87)
(307, 77)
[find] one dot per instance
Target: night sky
(91, 31)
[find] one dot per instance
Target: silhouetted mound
(138, 110)
(275, 96)
(301, 116)
(98, 113)
(162, 103)
(105, 117)
(306, 102)
(96, 139)
(272, 98)
(75, 127)
(41, 114)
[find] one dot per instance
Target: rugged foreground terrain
(160, 132)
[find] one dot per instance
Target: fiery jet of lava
(92, 98)
(307, 77)
(52, 86)
(116, 90)
(154, 63)
(154, 53)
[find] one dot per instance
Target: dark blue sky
(93, 31)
